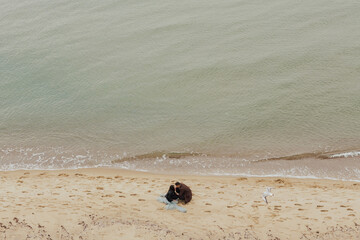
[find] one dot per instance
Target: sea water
(86, 83)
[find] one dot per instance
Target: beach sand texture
(119, 204)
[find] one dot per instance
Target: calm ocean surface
(83, 83)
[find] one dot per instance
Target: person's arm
(175, 196)
(181, 192)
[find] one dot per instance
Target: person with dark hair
(171, 194)
(171, 200)
(184, 191)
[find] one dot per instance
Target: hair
(177, 184)
(172, 188)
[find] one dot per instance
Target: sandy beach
(118, 204)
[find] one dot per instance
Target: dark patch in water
(178, 155)
(318, 155)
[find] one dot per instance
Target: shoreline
(300, 165)
(103, 203)
(230, 175)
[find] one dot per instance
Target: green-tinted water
(248, 79)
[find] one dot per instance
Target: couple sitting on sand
(178, 192)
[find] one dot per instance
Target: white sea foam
(346, 154)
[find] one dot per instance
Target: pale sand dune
(117, 204)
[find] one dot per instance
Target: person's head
(172, 188)
(177, 184)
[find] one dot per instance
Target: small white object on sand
(266, 194)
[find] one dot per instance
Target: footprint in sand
(301, 209)
(141, 200)
(63, 175)
(351, 215)
(350, 209)
(231, 215)
(118, 191)
(297, 204)
(231, 206)
(79, 174)
(107, 195)
(319, 206)
(280, 181)
(26, 173)
(100, 177)
(133, 194)
(121, 196)
(242, 179)
(324, 210)
(209, 204)
(99, 188)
